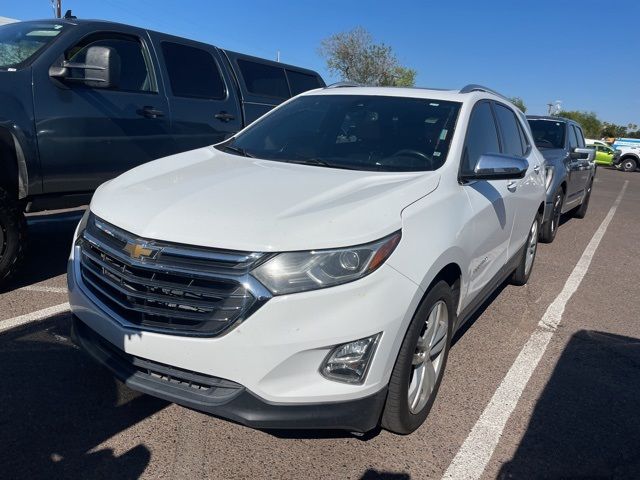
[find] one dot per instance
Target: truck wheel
(629, 165)
(581, 211)
(12, 236)
(550, 228)
(523, 272)
(419, 368)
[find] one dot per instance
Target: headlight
(82, 225)
(302, 271)
(548, 176)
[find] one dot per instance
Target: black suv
(81, 101)
(570, 169)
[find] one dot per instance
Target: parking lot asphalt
(63, 416)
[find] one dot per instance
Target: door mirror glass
(495, 166)
(582, 154)
(101, 69)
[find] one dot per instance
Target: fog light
(350, 362)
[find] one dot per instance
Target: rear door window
(263, 79)
(301, 82)
(193, 72)
(512, 141)
(482, 137)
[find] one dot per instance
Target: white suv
(311, 271)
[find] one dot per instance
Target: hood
(209, 198)
(553, 154)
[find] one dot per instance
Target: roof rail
(343, 84)
(472, 87)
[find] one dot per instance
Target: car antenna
(69, 16)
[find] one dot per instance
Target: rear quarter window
(263, 79)
(301, 82)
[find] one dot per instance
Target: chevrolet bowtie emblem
(139, 252)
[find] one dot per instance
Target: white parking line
(33, 316)
(476, 451)
(44, 289)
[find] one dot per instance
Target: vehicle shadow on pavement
(57, 407)
(48, 245)
(586, 423)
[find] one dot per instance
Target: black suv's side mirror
(100, 70)
(582, 154)
(495, 166)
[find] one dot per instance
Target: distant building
(4, 20)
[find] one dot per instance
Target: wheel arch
(13, 168)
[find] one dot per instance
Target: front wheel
(12, 236)
(550, 228)
(521, 274)
(419, 368)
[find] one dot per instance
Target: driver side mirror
(583, 154)
(100, 70)
(495, 166)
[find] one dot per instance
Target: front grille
(167, 287)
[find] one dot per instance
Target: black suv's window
(301, 82)
(548, 133)
(573, 139)
(579, 136)
(510, 132)
(193, 72)
(135, 71)
(482, 137)
(359, 132)
(263, 79)
(21, 41)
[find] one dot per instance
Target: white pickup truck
(627, 158)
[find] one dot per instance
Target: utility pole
(278, 56)
(57, 8)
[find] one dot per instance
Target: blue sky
(540, 50)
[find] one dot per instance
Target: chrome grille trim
(170, 289)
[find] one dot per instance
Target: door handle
(149, 112)
(512, 186)
(224, 116)
(536, 169)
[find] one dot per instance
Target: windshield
(548, 133)
(19, 42)
(358, 132)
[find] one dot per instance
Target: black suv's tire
(13, 230)
(550, 228)
(629, 165)
(581, 211)
(397, 416)
(521, 274)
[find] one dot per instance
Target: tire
(629, 165)
(550, 228)
(398, 416)
(12, 236)
(581, 211)
(521, 274)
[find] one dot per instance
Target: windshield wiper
(311, 161)
(237, 150)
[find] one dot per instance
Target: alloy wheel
(557, 212)
(428, 357)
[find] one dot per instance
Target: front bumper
(226, 399)
(274, 356)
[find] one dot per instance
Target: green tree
(591, 124)
(355, 57)
(518, 102)
(613, 130)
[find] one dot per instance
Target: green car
(604, 153)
